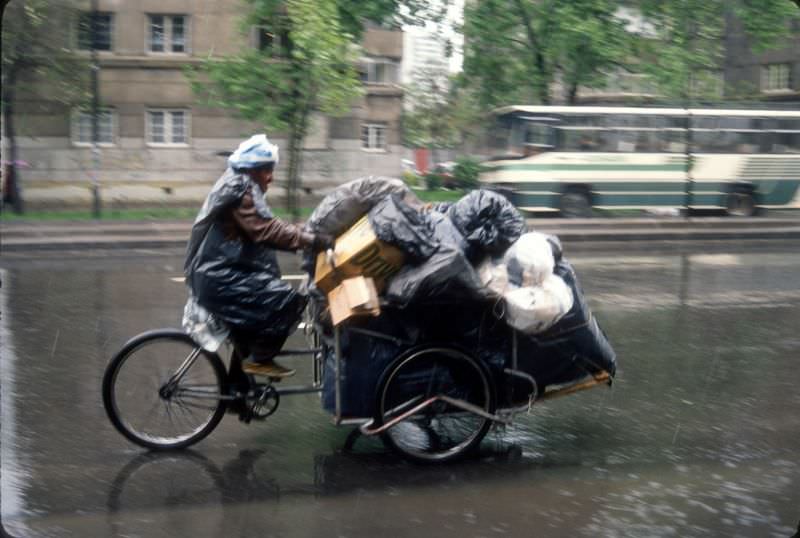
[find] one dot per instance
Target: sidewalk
(116, 196)
(38, 236)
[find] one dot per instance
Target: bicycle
(433, 401)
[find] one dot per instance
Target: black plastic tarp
(239, 282)
(573, 345)
(366, 355)
(488, 222)
(573, 348)
(402, 225)
(346, 204)
(436, 267)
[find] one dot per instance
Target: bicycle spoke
(191, 400)
(441, 430)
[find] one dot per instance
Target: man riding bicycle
(231, 266)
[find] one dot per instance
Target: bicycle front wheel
(162, 391)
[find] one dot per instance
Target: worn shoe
(267, 369)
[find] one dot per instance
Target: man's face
(262, 176)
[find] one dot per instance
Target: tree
(440, 111)
(688, 37)
(518, 49)
(35, 55)
(308, 63)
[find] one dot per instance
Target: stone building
(152, 131)
(772, 75)
(744, 74)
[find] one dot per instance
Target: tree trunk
(11, 192)
(297, 135)
(541, 85)
(295, 155)
(572, 93)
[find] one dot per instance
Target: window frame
(79, 25)
(75, 128)
(372, 129)
(168, 27)
(766, 77)
(279, 45)
(168, 115)
(369, 65)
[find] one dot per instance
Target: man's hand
(323, 242)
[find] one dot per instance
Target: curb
(52, 236)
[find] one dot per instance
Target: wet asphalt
(699, 436)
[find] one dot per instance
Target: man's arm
(273, 232)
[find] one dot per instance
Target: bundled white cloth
(535, 298)
(254, 152)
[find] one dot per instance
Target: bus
(573, 159)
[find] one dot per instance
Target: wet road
(699, 436)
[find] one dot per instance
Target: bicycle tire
(425, 372)
(175, 343)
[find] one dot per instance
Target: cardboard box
(353, 297)
(358, 252)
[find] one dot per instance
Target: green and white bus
(572, 159)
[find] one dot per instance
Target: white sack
(533, 309)
(529, 260)
(494, 276)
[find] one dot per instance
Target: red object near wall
(421, 160)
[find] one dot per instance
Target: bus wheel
(576, 204)
(741, 203)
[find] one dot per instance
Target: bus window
(786, 136)
(499, 136)
(669, 134)
(538, 133)
(581, 139)
(728, 134)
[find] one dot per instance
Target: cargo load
(467, 273)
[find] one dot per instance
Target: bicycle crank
(265, 403)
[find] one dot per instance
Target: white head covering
(254, 152)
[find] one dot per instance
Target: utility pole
(95, 88)
(689, 160)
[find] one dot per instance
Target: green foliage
(439, 195)
(36, 56)
(690, 36)
(317, 73)
(466, 172)
(433, 180)
(280, 87)
(36, 52)
(392, 13)
(518, 48)
(410, 178)
(442, 113)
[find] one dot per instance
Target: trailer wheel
(440, 431)
(576, 203)
(741, 202)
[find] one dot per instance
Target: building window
(167, 33)
(373, 137)
(167, 127)
(274, 42)
(375, 71)
(104, 31)
(82, 127)
(775, 77)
